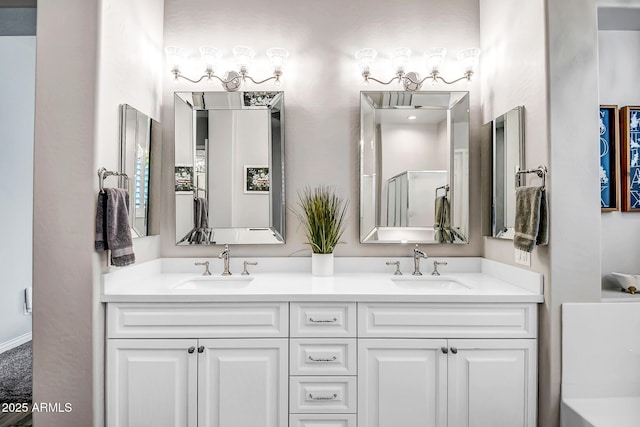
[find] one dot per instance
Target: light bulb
(435, 59)
(365, 58)
(244, 56)
(175, 57)
(400, 58)
(469, 60)
(210, 57)
(278, 57)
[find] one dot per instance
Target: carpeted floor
(16, 374)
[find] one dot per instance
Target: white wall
(322, 87)
(618, 65)
(17, 86)
(111, 51)
(514, 72)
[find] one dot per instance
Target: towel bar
(443, 187)
(541, 171)
(104, 173)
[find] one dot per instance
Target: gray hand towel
(112, 226)
(531, 224)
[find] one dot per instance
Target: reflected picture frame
(256, 179)
(609, 158)
(183, 178)
(630, 158)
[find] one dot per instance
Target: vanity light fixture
(232, 80)
(410, 80)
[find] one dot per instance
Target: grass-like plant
(323, 215)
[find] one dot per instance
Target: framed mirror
(414, 167)
(508, 156)
(229, 168)
(135, 161)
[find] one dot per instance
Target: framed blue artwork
(609, 194)
(630, 129)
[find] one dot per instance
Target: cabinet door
(492, 383)
(402, 383)
(151, 383)
(243, 383)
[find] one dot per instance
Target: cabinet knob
(191, 350)
(445, 350)
(201, 349)
(454, 350)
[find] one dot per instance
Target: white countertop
(477, 280)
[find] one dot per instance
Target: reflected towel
(200, 234)
(442, 221)
(531, 223)
(112, 226)
(200, 213)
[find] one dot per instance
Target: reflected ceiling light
(411, 117)
(410, 80)
(232, 79)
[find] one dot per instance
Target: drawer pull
(322, 359)
(334, 320)
(331, 397)
(454, 350)
(190, 350)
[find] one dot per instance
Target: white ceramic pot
(322, 265)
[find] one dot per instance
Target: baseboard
(8, 345)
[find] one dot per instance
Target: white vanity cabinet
(321, 364)
(191, 372)
(447, 365)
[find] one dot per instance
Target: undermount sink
(430, 282)
(215, 282)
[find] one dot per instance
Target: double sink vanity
(279, 347)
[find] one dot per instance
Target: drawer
(323, 356)
(313, 395)
(322, 420)
(323, 320)
(436, 320)
(199, 320)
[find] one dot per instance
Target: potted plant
(323, 215)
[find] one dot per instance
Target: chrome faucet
(417, 254)
(224, 255)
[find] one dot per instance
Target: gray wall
(322, 85)
(17, 86)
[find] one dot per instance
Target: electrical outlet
(523, 257)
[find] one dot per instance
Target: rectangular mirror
(508, 156)
(229, 168)
(135, 161)
(414, 167)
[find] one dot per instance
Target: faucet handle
(435, 267)
(245, 272)
(397, 264)
(206, 267)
